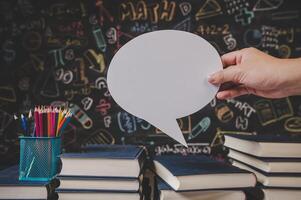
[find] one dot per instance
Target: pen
(24, 124)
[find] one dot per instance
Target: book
(265, 145)
(195, 172)
(167, 193)
(292, 180)
(145, 191)
(290, 165)
(94, 194)
(100, 183)
(281, 193)
(105, 161)
(12, 188)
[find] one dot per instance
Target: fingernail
(223, 95)
(211, 78)
(219, 96)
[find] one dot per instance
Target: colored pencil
(41, 121)
(64, 125)
(48, 121)
(36, 121)
(45, 121)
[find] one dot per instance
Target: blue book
(291, 180)
(199, 172)
(280, 165)
(94, 194)
(105, 161)
(281, 193)
(165, 192)
(100, 183)
(265, 145)
(268, 138)
(83, 192)
(12, 188)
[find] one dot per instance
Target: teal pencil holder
(39, 158)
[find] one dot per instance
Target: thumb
(229, 74)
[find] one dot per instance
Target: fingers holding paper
(250, 71)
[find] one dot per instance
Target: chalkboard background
(58, 53)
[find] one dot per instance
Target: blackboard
(58, 52)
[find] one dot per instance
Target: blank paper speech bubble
(162, 76)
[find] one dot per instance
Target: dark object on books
(94, 194)
(284, 165)
(12, 188)
(100, 183)
(272, 179)
(281, 193)
(105, 161)
(265, 145)
(167, 193)
(254, 193)
(200, 172)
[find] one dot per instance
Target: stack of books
(275, 160)
(199, 177)
(103, 172)
(12, 188)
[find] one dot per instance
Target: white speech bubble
(162, 76)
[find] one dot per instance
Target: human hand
(255, 72)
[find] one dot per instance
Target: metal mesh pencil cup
(39, 158)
